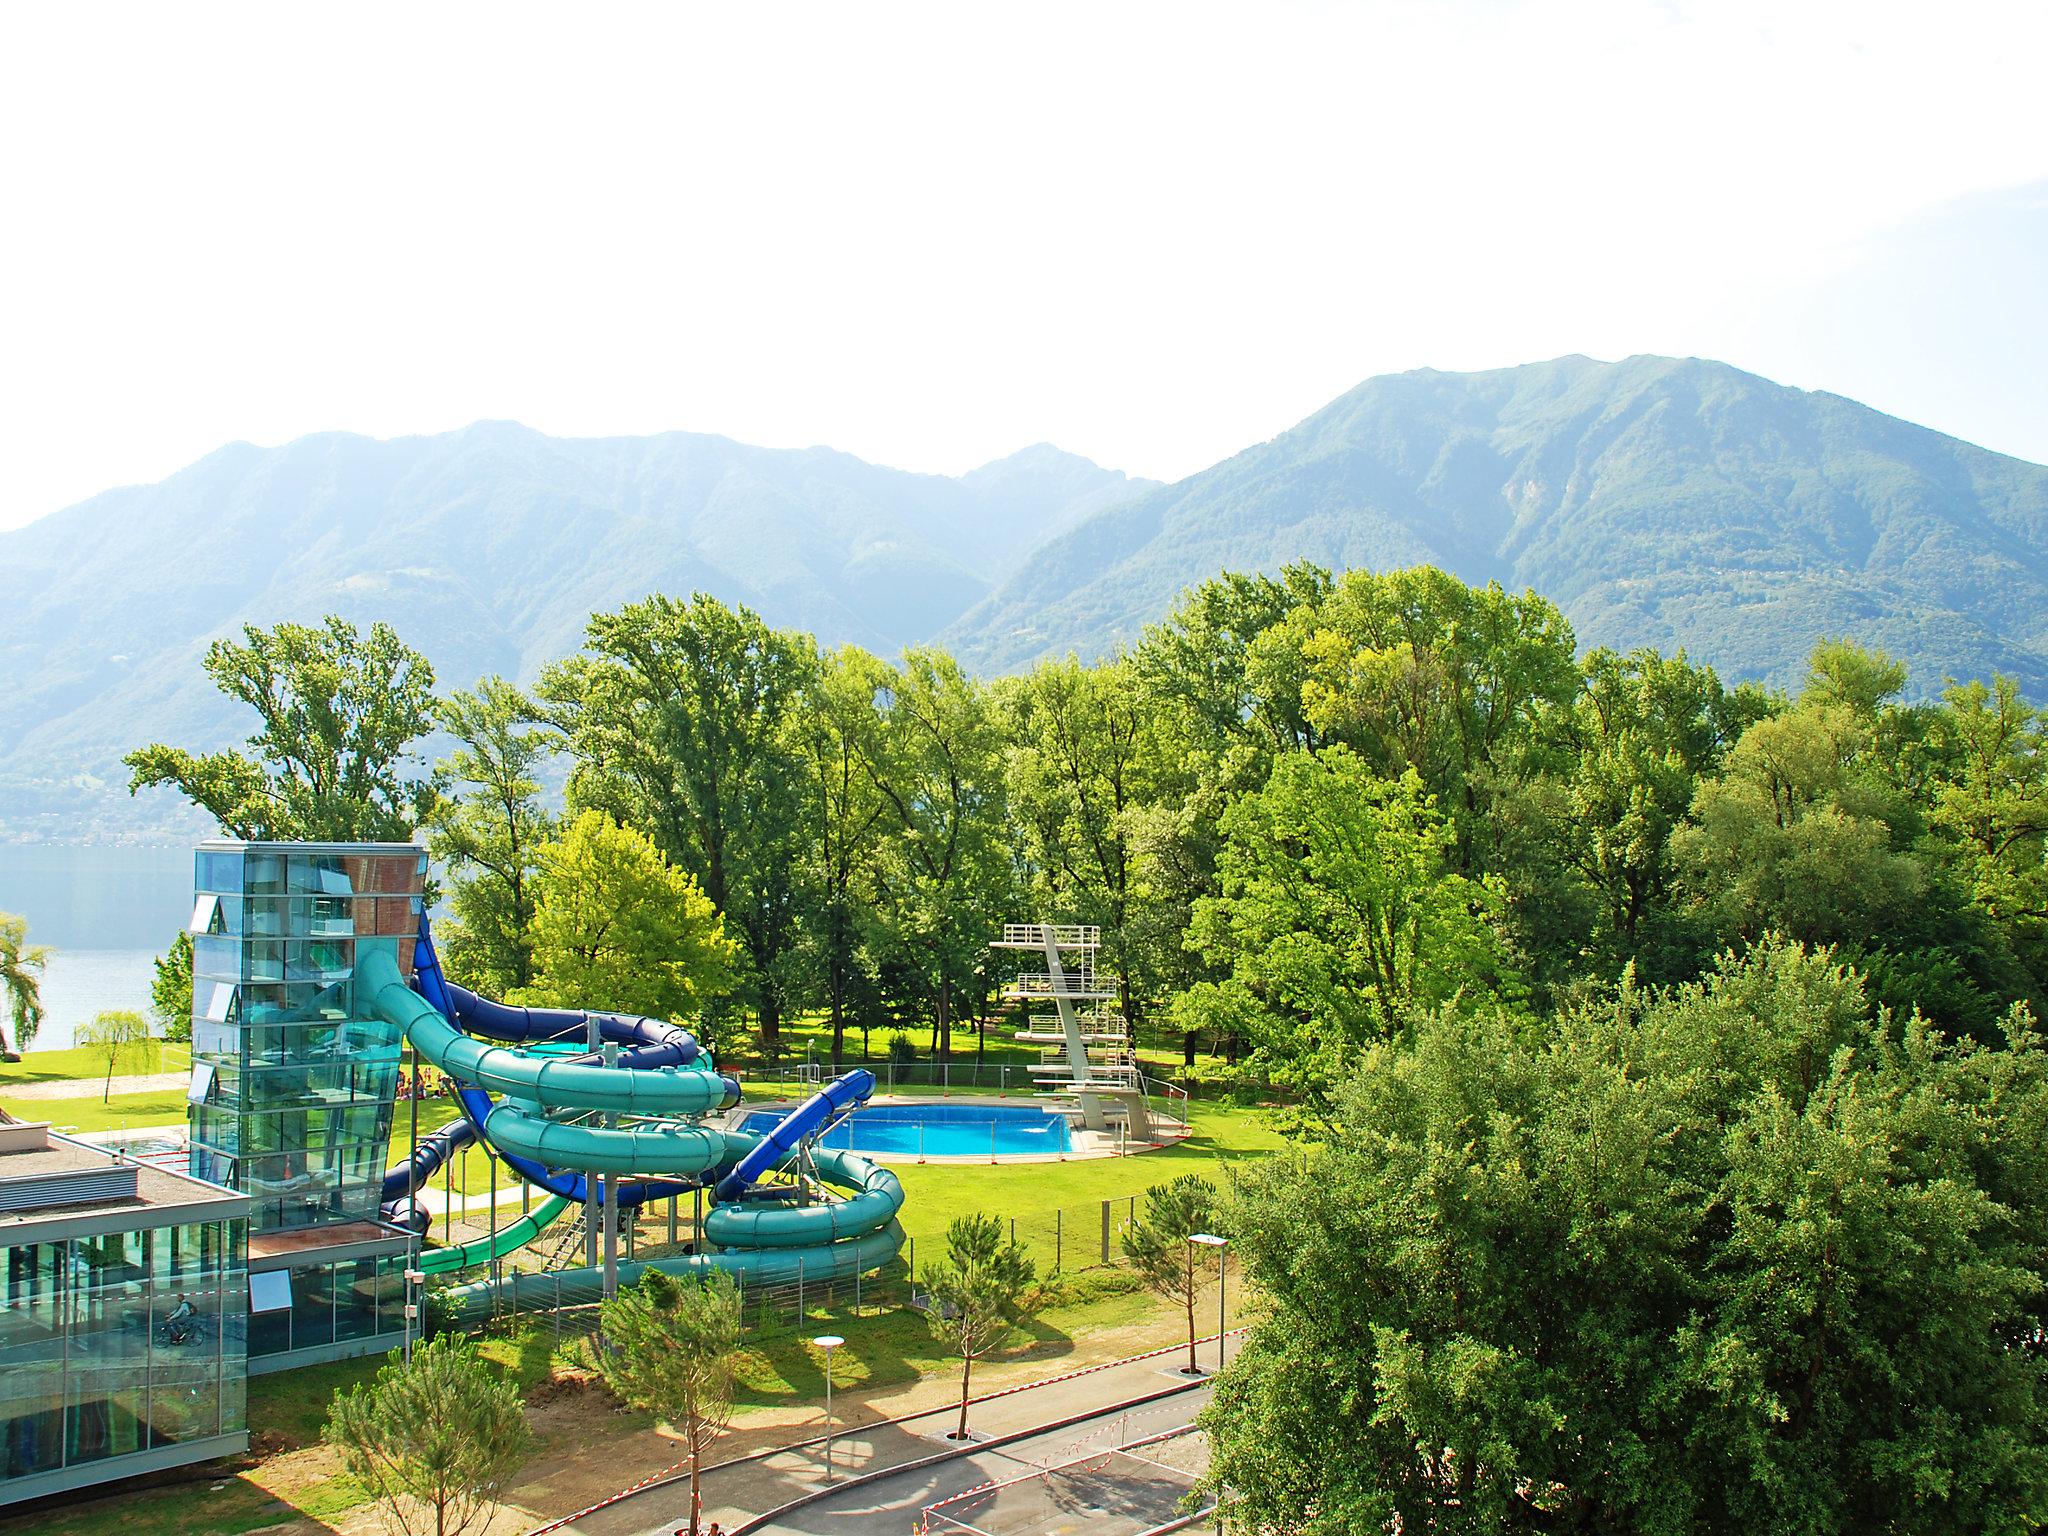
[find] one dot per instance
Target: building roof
(52, 1186)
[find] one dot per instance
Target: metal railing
(1061, 935)
(1166, 1102)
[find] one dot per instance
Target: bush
(902, 1050)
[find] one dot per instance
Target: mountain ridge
(1612, 488)
(1675, 502)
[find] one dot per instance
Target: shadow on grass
(217, 1501)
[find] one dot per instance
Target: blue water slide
(808, 1119)
(570, 1123)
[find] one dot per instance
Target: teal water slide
(530, 1101)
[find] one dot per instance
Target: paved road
(889, 1506)
(738, 1490)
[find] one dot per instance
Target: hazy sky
(930, 235)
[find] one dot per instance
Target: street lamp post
(828, 1342)
(1211, 1240)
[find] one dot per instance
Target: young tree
(614, 926)
(670, 1347)
(338, 713)
(170, 988)
(434, 1441)
(487, 828)
(21, 977)
(1157, 1243)
(682, 716)
(982, 1289)
(118, 1037)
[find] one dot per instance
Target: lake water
(106, 912)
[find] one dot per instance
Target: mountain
(1659, 501)
(487, 549)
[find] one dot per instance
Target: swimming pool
(941, 1130)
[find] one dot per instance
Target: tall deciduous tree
(338, 712)
(682, 719)
(434, 1441)
(1158, 1246)
(1800, 834)
(1736, 1256)
(1416, 670)
(21, 977)
(1083, 760)
(1341, 918)
(839, 736)
(978, 1293)
(947, 874)
(615, 926)
(487, 829)
(671, 1346)
(1990, 803)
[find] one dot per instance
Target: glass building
(293, 1083)
(123, 1316)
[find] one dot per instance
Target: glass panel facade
(332, 1304)
(118, 1344)
(300, 1108)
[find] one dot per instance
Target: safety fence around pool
(1167, 1102)
(1069, 1239)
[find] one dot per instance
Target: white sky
(930, 235)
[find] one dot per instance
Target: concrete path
(93, 1087)
(890, 1505)
(740, 1490)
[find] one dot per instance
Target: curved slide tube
(808, 1119)
(664, 1082)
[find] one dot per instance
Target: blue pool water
(941, 1130)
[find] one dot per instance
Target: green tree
(21, 977)
(682, 717)
(1736, 1255)
(121, 1039)
(615, 926)
(838, 729)
(487, 828)
(170, 988)
(1083, 759)
(1416, 670)
(945, 874)
(1845, 673)
(1990, 807)
(434, 1441)
(1640, 735)
(1802, 834)
(1157, 1243)
(977, 1294)
(1340, 918)
(671, 1347)
(338, 715)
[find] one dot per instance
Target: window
(270, 1291)
(202, 1083)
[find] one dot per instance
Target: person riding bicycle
(182, 1322)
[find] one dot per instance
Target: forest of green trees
(1673, 1128)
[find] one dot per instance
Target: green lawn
(83, 1062)
(124, 1111)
